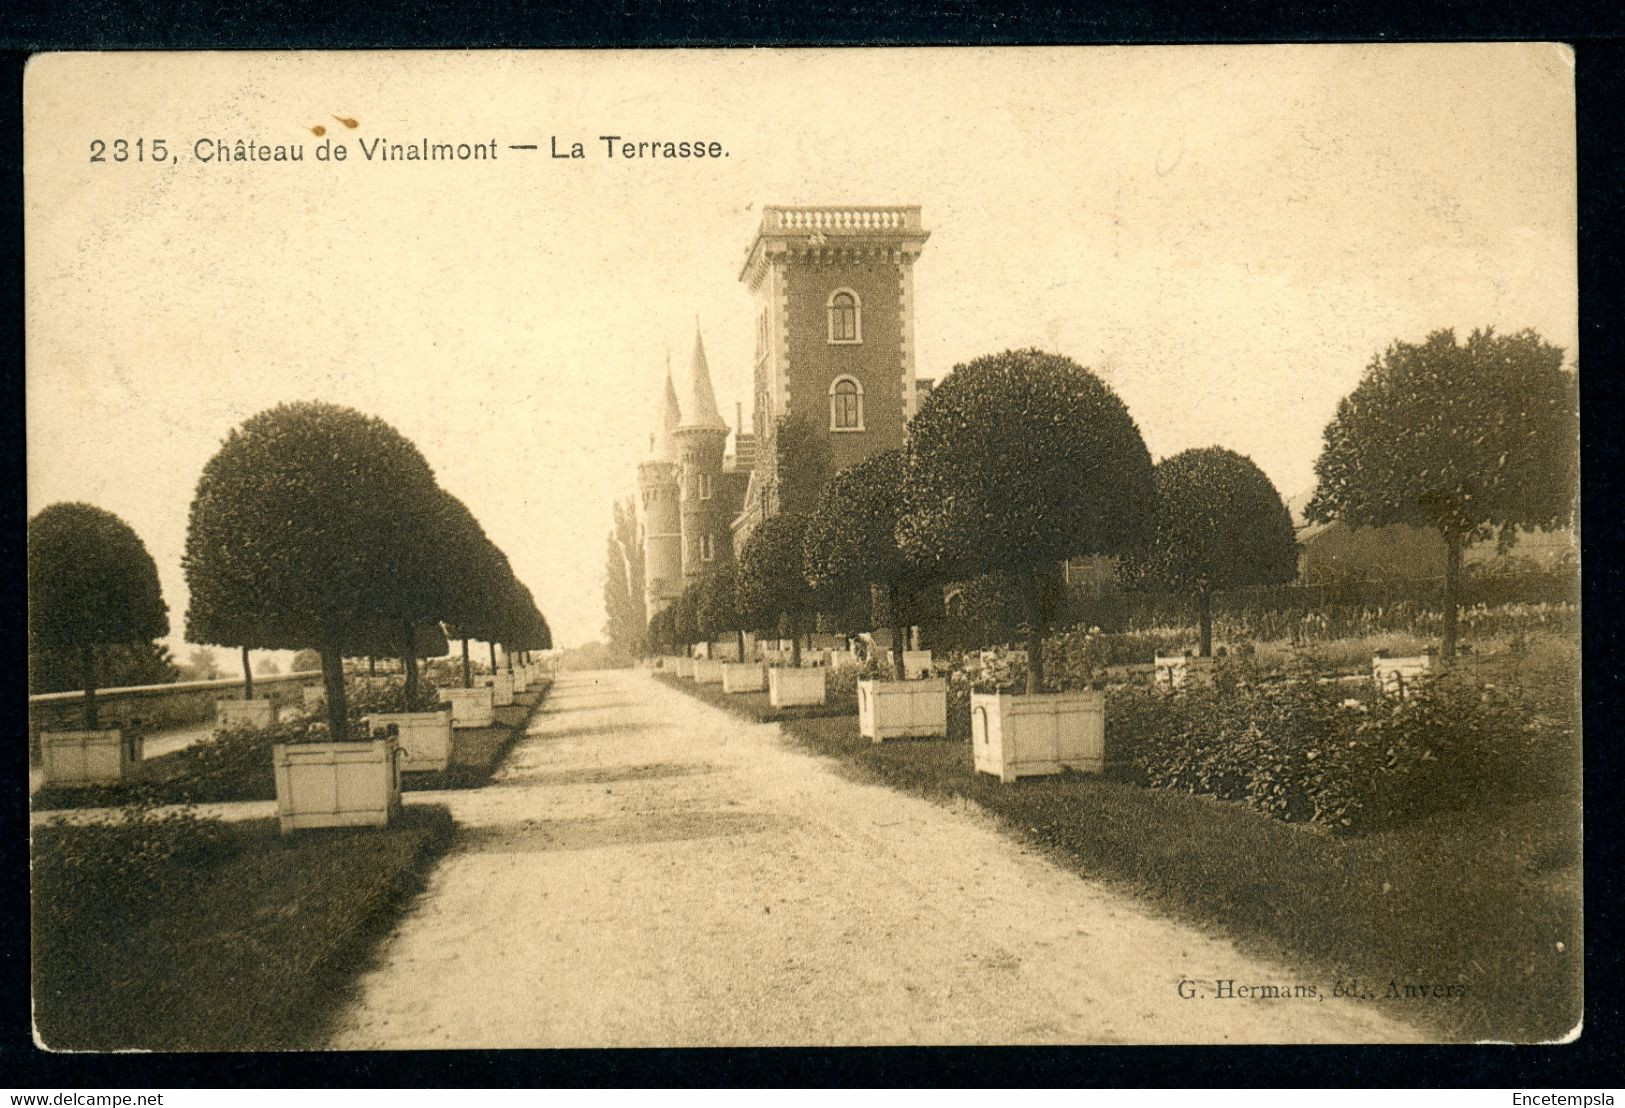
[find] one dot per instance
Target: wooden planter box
(738, 677)
(424, 737)
(789, 688)
(244, 713)
(842, 659)
(337, 784)
(916, 664)
(1029, 736)
(88, 757)
(707, 672)
(1397, 676)
(1178, 671)
(471, 707)
(501, 687)
(902, 709)
(684, 668)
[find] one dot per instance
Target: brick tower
(700, 437)
(658, 488)
(834, 291)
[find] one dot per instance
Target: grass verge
(754, 706)
(1481, 907)
(248, 946)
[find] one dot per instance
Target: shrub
(103, 875)
(1303, 751)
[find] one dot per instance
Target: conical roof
(700, 413)
(667, 418)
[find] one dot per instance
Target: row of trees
(317, 526)
(313, 527)
(1020, 461)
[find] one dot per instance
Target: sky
(1227, 234)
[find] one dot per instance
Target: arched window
(845, 316)
(845, 405)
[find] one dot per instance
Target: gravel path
(647, 870)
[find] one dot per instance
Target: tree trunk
(1452, 590)
(87, 666)
(493, 648)
(468, 671)
(740, 637)
(409, 661)
(372, 666)
(896, 632)
(1037, 624)
(333, 682)
(1204, 621)
(508, 654)
(795, 641)
(248, 677)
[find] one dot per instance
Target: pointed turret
(700, 413)
(667, 419)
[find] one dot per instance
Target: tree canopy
(772, 579)
(311, 519)
(1468, 439)
(1220, 524)
(1017, 462)
(718, 610)
(92, 585)
(91, 581)
(851, 538)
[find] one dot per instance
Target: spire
(701, 411)
(667, 419)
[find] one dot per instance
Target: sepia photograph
(803, 547)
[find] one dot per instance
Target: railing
(842, 220)
(161, 705)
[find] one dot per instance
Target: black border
(1593, 27)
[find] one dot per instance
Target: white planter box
(902, 709)
(1029, 736)
(88, 757)
(684, 668)
(916, 664)
(501, 686)
(337, 784)
(773, 656)
(738, 677)
(700, 650)
(1397, 676)
(1178, 671)
(789, 688)
(842, 659)
(244, 713)
(425, 738)
(707, 672)
(471, 707)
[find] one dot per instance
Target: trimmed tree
(685, 617)
(1017, 462)
(91, 585)
(851, 539)
(773, 589)
(303, 530)
(1220, 524)
(1470, 440)
(718, 609)
(477, 579)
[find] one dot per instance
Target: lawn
(1482, 907)
(755, 706)
(208, 936)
